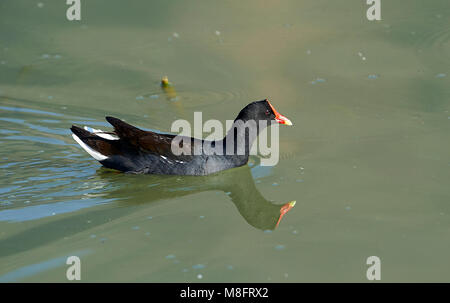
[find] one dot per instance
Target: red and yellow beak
(284, 210)
(279, 117)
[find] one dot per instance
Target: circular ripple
(436, 44)
(199, 99)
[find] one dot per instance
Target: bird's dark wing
(160, 144)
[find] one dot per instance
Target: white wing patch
(100, 133)
(95, 154)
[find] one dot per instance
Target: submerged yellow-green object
(165, 82)
(171, 95)
(168, 88)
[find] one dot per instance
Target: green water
(367, 160)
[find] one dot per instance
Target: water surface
(367, 159)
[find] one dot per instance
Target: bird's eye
(267, 112)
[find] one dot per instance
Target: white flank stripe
(100, 133)
(95, 154)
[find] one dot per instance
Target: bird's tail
(98, 144)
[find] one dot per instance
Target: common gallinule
(130, 149)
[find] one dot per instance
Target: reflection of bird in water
(237, 183)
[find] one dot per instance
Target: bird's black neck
(241, 136)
